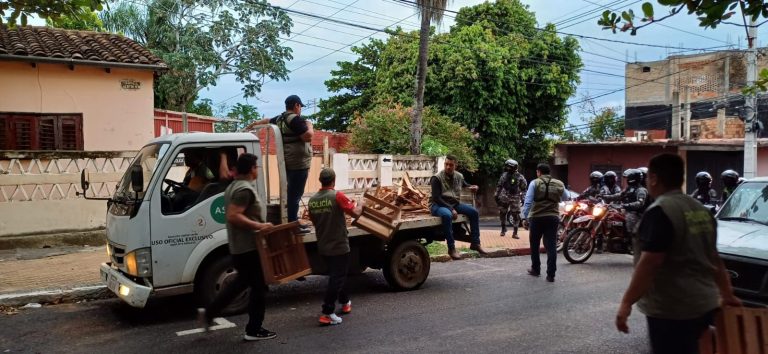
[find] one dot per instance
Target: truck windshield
(147, 158)
(748, 203)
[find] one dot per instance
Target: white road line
(221, 323)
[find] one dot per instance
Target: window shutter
(4, 132)
(47, 133)
(71, 132)
(23, 131)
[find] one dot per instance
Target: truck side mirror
(137, 178)
(85, 178)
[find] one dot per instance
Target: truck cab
(166, 231)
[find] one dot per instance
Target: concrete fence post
(439, 163)
(384, 172)
(340, 163)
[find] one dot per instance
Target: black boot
(514, 233)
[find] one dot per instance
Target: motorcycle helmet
(633, 176)
(610, 178)
(595, 177)
(703, 180)
(741, 180)
(511, 165)
(730, 178)
(643, 175)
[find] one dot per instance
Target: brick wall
(734, 128)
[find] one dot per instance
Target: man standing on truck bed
(243, 215)
(297, 134)
(326, 209)
(445, 203)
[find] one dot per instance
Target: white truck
(161, 241)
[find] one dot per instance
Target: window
(30, 131)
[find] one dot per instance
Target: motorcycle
(571, 211)
(606, 222)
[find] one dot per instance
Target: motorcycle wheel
(578, 246)
(560, 237)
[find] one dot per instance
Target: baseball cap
(292, 100)
(327, 175)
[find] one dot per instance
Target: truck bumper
(126, 289)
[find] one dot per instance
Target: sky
(318, 45)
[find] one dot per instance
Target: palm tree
(430, 10)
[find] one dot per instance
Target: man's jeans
(337, 277)
(447, 220)
(678, 336)
(297, 180)
(546, 227)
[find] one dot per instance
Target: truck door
(189, 207)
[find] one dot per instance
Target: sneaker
(551, 278)
(534, 273)
(261, 334)
(331, 319)
(346, 308)
(203, 321)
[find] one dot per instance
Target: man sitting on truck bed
(445, 203)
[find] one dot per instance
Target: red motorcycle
(571, 211)
(606, 222)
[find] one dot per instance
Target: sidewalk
(52, 277)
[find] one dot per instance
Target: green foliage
(11, 11)
(432, 147)
(604, 123)
(202, 107)
(202, 40)
(85, 20)
(493, 73)
(244, 113)
(385, 130)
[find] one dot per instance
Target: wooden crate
(378, 217)
(282, 253)
(738, 330)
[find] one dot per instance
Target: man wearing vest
(445, 203)
(326, 209)
(542, 203)
(243, 216)
(297, 135)
(679, 279)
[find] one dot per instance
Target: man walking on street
(679, 279)
(508, 192)
(326, 209)
(297, 135)
(541, 202)
(243, 215)
(445, 203)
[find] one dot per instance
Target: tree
(603, 123)
(84, 20)
(203, 40)
(384, 130)
(244, 113)
(11, 10)
(430, 11)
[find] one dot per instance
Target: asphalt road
(470, 306)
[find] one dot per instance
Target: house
(74, 90)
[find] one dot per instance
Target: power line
(592, 18)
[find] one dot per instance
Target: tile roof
(82, 47)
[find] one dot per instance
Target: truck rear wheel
(408, 266)
(215, 277)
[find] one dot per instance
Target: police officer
(508, 194)
(593, 191)
(634, 199)
(610, 187)
(644, 171)
(704, 192)
(730, 180)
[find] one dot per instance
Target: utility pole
(687, 114)
(750, 114)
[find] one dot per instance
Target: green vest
(330, 224)
(243, 240)
(298, 153)
(451, 186)
(684, 287)
(546, 197)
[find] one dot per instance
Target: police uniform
(508, 194)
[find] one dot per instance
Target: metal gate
(714, 162)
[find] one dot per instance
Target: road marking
(221, 323)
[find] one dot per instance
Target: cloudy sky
(318, 45)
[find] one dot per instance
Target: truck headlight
(139, 262)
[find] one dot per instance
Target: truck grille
(117, 252)
(746, 276)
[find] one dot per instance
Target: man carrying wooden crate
(446, 193)
(326, 210)
(243, 215)
(679, 280)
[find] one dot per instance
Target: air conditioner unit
(641, 135)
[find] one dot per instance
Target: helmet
(633, 176)
(730, 178)
(512, 164)
(741, 180)
(595, 177)
(643, 175)
(610, 177)
(703, 179)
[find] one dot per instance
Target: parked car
(742, 240)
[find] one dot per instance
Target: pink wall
(113, 118)
(581, 158)
(762, 162)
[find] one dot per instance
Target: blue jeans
(447, 220)
(297, 180)
(544, 227)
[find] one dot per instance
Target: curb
(92, 238)
(505, 252)
(88, 292)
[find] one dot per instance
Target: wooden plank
(749, 334)
(763, 318)
(731, 319)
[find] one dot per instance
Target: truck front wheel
(408, 266)
(216, 276)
